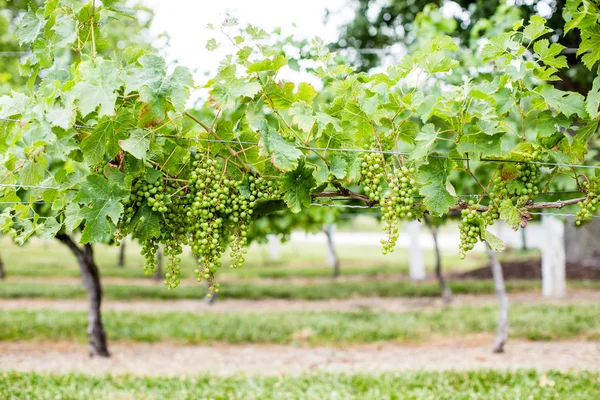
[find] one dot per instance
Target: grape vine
(103, 138)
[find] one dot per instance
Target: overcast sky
(185, 22)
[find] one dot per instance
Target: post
(415, 259)
(553, 257)
(274, 247)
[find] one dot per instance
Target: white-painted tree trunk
(416, 265)
(502, 334)
(332, 258)
(274, 247)
(553, 257)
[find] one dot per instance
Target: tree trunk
(416, 265)
(502, 335)
(444, 288)
(122, 254)
(332, 257)
(2, 273)
(158, 275)
(523, 239)
(90, 277)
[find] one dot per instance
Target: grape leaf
(437, 62)
(339, 165)
(158, 90)
(49, 229)
(32, 173)
(284, 155)
(73, 217)
(306, 92)
(408, 131)
(496, 46)
(424, 142)
(510, 214)
(145, 224)
(101, 200)
(568, 103)
(536, 28)
(100, 80)
(434, 180)
(548, 53)
(30, 26)
(593, 100)
(105, 137)
(62, 115)
(137, 144)
(273, 64)
(228, 88)
(65, 28)
(281, 94)
(303, 116)
(15, 104)
(481, 145)
(590, 46)
(296, 187)
(494, 241)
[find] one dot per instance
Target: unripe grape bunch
(472, 227)
(209, 212)
(398, 203)
(589, 206)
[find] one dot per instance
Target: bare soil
(532, 269)
(166, 359)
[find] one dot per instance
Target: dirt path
(274, 305)
(164, 359)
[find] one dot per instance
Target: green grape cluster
(398, 204)
(149, 249)
(212, 195)
(521, 189)
(373, 175)
(529, 176)
(589, 206)
(472, 227)
(209, 212)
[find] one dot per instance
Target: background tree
(376, 27)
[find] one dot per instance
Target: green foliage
(93, 128)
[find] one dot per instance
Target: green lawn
(454, 385)
(537, 322)
(43, 258)
(272, 290)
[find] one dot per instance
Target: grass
(455, 385)
(537, 322)
(51, 259)
(257, 291)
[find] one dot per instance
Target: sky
(185, 22)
